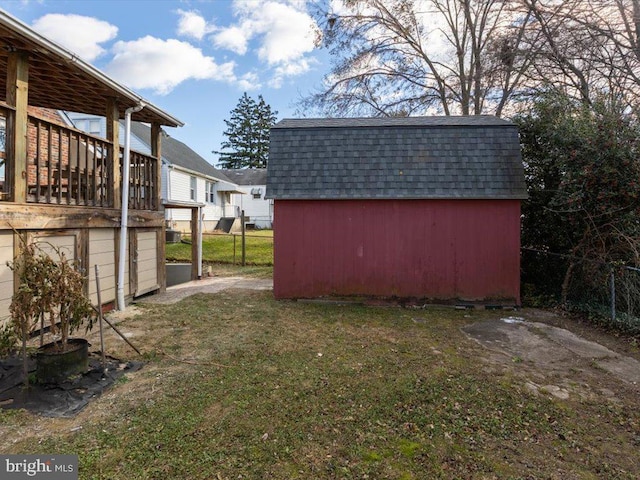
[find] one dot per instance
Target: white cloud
(233, 38)
(288, 33)
(192, 24)
(249, 81)
(283, 34)
(161, 65)
(82, 35)
(290, 69)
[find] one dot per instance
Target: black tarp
(59, 400)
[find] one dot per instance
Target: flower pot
(54, 365)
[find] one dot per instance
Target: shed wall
(435, 249)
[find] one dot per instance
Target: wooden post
(18, 97)
(99, 293)
(156, 151)
(113, 135)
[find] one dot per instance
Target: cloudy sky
(192, 58)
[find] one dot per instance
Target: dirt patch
(207, 285)
(556, 361)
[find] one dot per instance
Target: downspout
(200, 227)
(125, 201)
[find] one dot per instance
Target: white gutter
(125, 201)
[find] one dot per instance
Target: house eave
(37, 44)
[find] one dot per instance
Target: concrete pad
(207, 285)
(550, 348)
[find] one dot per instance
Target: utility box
(173, 236)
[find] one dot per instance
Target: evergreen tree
(247, 144)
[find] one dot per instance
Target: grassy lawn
(239, 385)
(219, 248)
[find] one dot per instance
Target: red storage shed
(417, 207)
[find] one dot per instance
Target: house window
(193, 190)
(91, 126)
(256, 192)
(210, 192)
(94, 127)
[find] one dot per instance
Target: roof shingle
(402, 158)
(177, 153)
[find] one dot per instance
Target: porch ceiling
(59, 79)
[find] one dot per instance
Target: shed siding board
(53, 245)
(127, 276)
(6, 275)
(102, 253)
(147, 263)
(435, 249)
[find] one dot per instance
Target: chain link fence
(606, 293)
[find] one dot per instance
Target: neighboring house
(253, 182)
(187, 178)
(425, 208)
(62, 187)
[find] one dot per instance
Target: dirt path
(207, 285)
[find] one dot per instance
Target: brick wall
(48, 151)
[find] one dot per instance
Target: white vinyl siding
(257, 208)
(180, 188)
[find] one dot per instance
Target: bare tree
(585, 48)
(403, 57)
(614, 25)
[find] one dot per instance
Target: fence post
(244, 241)
(613, 295)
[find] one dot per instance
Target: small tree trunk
(25, 368)
(566, 281)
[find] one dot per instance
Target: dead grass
(238, 385)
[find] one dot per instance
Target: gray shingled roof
(472, 157)
(247, 176)
(177, 153)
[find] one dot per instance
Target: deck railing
(6, 114)
(143, 191)
(66, 166)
